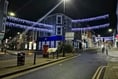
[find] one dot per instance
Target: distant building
(78, 34)
(3, 14)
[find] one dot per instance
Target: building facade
(3, 14)
(61, 24)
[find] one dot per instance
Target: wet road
(81, 67)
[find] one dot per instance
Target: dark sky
(76, 9)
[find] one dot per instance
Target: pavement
(111, 71)
(9, 66)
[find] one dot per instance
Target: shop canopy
(51, 38)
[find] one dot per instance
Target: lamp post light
(11, 14)
(65, 1)
(110, 30)
(18, 33)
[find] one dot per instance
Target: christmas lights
(91, 19)
(91, 27)
(26, 22)
(27, 27)
(105, 38)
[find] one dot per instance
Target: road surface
(81, 67)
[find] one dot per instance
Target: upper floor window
(59, 30)
(58, 19)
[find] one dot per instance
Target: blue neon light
(51, 38)
(92, 19)
(91, 27)
(22, 21)
(27, 27)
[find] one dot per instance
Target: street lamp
(18, 33)
(11, 14)
(110, 30)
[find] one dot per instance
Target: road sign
(1, 36)
(69, 36)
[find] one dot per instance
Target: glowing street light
(18, 33)
(11, 14)
(65, 1)
(110, 30)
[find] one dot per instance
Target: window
(59, 19)
(59, 31)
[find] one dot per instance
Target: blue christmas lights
(91, 19)
(91, 27)
(28, 27)
(26, 22)
(17, 22)
(105, 38)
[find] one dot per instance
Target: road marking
(98, 76)
(98, 72)
(94, 76)
(35, 69)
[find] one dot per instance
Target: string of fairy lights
(27, 27)
(91, 27)
(25, 24)
(91, 19)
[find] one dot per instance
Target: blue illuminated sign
(51, 38)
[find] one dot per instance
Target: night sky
(76, 9)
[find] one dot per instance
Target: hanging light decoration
(26, 22)
(91, 19)
(27, 27)
(91, 27)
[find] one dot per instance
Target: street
(81, 67)
(59, 39)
